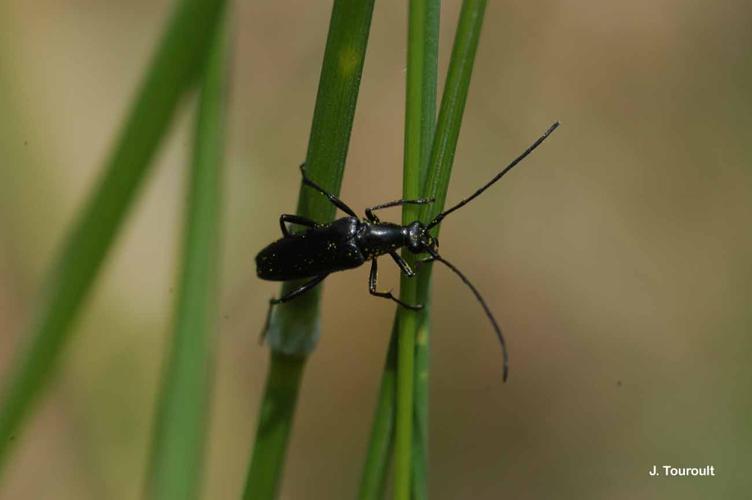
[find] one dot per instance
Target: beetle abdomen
(316, 251)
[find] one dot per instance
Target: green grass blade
(294, 327)
(436, 186)
(420, 109)
(180, 430)
(420, 116)
(432, 180)
(380, 446)
(453, 106)
(274, 425)
(176, 63)
(420, 99)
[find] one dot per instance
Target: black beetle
(350, 241)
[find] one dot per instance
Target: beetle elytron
(350, 241)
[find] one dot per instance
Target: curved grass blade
(180, 430)
(293, 328)
(176, 63)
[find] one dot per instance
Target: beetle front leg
(427, 260)
(397, 203)
(404, 266)
(386, 295)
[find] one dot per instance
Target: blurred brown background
(617, 257)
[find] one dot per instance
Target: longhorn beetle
(350, 241)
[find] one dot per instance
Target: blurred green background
(617, 258)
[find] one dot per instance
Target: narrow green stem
(424, 38)
(405, 387)
(453, 106)
(426, 176)
(373, 481)
(179, 436)
(177, 62)
(419, 126)
(294, 326)
(275, 421)
(436, 186)
(420, 106)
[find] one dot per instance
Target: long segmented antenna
(497, 328)
(498, 176)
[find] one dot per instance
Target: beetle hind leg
(308, 285)
(332, 199)
(294, 219)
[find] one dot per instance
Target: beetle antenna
(496, 327)
(498, 176)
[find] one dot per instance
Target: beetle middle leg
(386, 295)
(333, 199)
(396, 203)
(294, 219)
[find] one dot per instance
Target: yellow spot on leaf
(348, 60)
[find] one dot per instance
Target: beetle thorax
(376, 239)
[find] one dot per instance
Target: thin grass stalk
(178, 442)
(420, 112)
(452, 107)
(441, 161)
(427, 37)
(435, 184)
(420, 109)
(294, 327)
(179, 58)
(381, 443)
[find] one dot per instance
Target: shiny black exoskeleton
(343, 244)
(349, 242)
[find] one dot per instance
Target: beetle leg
(404, 266)
(298, 291)
(386, 295)
(308, 285)
(396, 203)
(294, 219)
(333, 199)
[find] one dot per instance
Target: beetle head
(419, 240)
